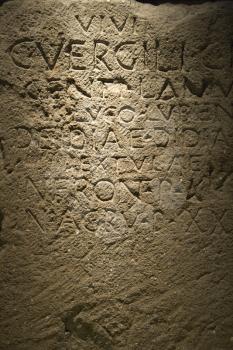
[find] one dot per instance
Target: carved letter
(123, 59)
(50, 62)
(101, 50)
(21, 52)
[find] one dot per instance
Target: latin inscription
(125, 119)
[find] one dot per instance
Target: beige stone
(116, 162)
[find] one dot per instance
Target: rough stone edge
(149, 9)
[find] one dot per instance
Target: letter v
(84, 26)
(51, 63)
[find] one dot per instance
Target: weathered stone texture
(116, 162)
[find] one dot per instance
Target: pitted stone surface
(116, 162)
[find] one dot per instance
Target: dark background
(157, 2)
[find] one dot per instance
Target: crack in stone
(2, 240)
(1, 219)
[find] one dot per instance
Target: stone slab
(116, 163)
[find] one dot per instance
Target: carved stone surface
(116, 162)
